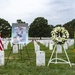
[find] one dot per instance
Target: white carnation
(59, 34)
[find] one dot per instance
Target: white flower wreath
(59, 35)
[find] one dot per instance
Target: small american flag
(1, 44)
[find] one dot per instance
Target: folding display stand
(20, 54)
(27, 52)
(56, 58)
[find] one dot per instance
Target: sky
(55, 11)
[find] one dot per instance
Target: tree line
(38, 28)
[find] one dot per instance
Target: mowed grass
(24, 62)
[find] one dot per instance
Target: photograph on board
(19, 34)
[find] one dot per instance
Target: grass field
(20, 64)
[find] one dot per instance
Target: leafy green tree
(5, 28)
(20, 21)
(39, 28)
(70, 27)
(51, 28)
(58, 25)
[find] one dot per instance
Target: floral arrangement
(59, 35)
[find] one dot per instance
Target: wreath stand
(56, 58)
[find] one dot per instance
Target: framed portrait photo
(19, 33)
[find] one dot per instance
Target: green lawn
(22, 64)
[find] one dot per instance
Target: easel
(20, 55)
(27, 52)
(56, 58)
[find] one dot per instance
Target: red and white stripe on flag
(1, 44)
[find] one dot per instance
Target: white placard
(1, 58)
(46, 43)
(40, 58)
(11, 44)
(5, 46)
(15, 48)
(37, 48)
(21, 46)
(65, 46)
(51, 45)
(59, 49)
